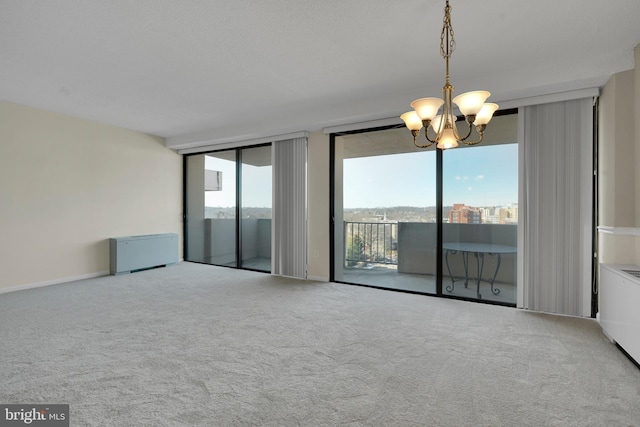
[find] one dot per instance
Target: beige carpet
(209, 346)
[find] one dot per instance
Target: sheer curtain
(556, 207)
(289, 223)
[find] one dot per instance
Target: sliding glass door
(211, 208)
(385, 212)
(228, 208)
(255, 210)
(390, 199)
(480, 220)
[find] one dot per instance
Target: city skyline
(505, 214)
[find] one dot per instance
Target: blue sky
(257, 195)
(476, 176)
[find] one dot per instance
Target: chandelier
(442, 126)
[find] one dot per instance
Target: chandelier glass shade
(437, 116)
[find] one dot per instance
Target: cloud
(479, 177)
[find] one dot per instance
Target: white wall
(67, 185)
(318, 207)
(619, 154)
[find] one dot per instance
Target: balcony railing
(411, 247)
(370, 243)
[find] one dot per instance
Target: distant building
(507, 214)
(463, 214)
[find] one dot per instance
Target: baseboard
(54, 282)
(318, 278)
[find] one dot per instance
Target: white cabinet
(619, 306)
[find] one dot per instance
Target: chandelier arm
(470, 128)
(421, 145)
(426, 135)
(415, 135)
(480, 130)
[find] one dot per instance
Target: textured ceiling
(204, 70)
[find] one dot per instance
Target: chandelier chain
(447, 34)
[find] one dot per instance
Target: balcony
(213, 241)
(402, 255)
(393, 255)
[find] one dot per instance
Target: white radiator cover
(132, 253)
(619, 306)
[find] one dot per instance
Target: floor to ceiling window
(255, 210)
(480, 220)
(385, 211)
(388, 209)
(228, 208)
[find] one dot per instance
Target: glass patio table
(478, 250)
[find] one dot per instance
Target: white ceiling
(224, 70)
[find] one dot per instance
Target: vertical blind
(289, 224)
(556, 189)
